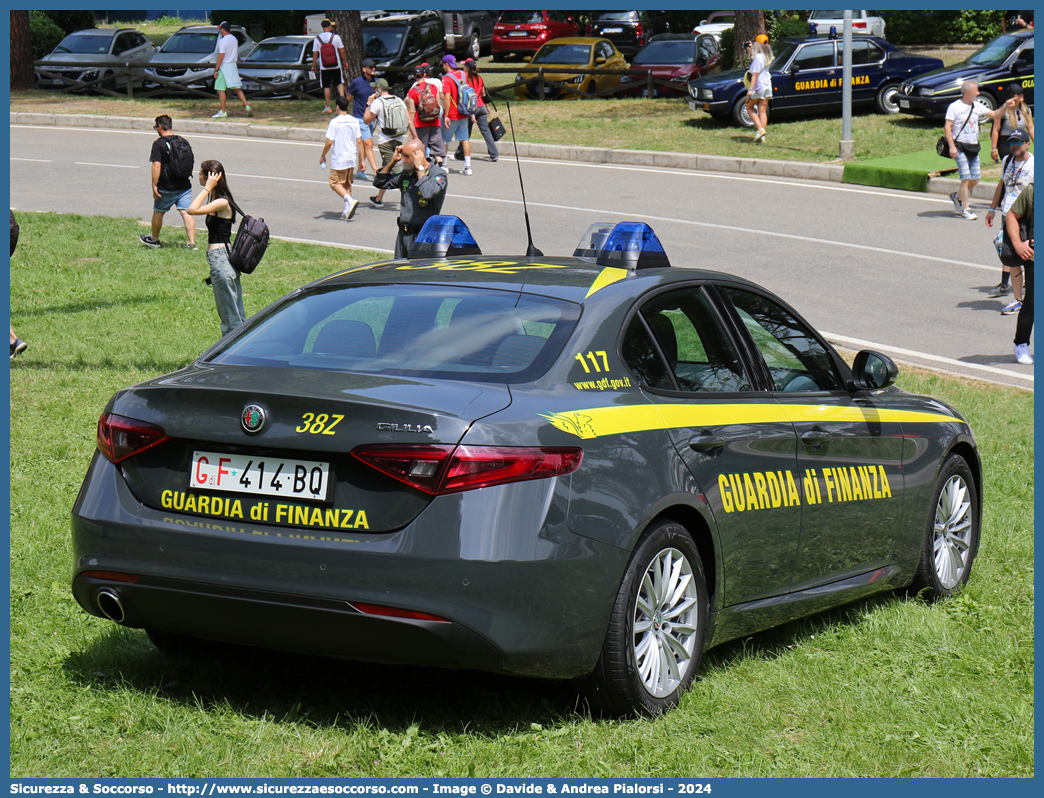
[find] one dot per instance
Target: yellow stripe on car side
(597, 422)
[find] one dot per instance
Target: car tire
(885, 102)
(474, 47)
(739, 113)
(652, 649)
(497, 57)
(951, 539)
(988, 100)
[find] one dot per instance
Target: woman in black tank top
(214, 203)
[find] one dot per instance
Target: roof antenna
(531, 251)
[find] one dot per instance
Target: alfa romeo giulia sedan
(590, 467)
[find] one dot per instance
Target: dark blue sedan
(807, 75)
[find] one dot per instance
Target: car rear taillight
(438, 470)
(858, 24)
(639, 33)
(120, 437)
(113, 576)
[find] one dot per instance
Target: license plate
(261, 476)
(693, 105)
(517, 33)
(252, 86)
(904, 103)
(612, 30)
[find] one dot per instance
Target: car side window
(1027, 53)
(699, 354)
(121, 45)
(818, 55)
(603, 50)
(707, 47)
(796, 360)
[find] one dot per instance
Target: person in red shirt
(428, 131)
(481, 117)
(455, 124)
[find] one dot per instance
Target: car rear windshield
(190, 43)
(521, 17)
(618, 16)
(78, 43)
(276, 53)
(563, 54)
(423, 331)
(669, 52)
(382, 40)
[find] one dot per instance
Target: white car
(716, 24)
(862, 22)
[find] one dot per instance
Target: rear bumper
(520, 592)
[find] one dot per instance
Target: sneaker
(328, 110)
(20, 346)
(220, 115)
(458, 156)
(971, 217)
(1022, 354)
(350, 212)
(759, 136)
(376, 202)
(150, 242)
(192, 246)
(362, 176)
(1011, 308)
(1001, 289)
(249, 110)
(466, 170)
(494, 160)
(956, 202)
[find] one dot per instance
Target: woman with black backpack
(215, 202)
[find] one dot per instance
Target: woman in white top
(1017, 116)
(760, 90)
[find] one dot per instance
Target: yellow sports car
(559, 57)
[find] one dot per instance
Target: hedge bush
(941, 27)
(43, 34)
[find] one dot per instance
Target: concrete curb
(831, 172)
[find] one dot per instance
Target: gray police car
(590, 467)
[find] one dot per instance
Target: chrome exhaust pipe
(110, 605)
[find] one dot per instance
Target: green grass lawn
(885, 687)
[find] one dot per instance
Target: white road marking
(734, 228)
(113, 165)
(336, 244)
(857, 343)
(34, 160)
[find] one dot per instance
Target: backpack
(396, 117)
(250, 244)
(181, 157)
(467, 97)
(327, 53)
(428, 109)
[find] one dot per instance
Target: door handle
(702, 443)
(815, 437)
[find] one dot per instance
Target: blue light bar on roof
(632, 245)
(444, 236)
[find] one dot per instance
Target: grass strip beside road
(885, 687)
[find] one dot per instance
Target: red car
(524, 32)
(673, 57)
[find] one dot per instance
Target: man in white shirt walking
(962, 134)
(344, 138)
(226, 73)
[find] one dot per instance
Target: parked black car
(1005, 60)
(403, 39)
(807, 75)
(630, 31)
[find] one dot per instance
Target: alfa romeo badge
(253, 418)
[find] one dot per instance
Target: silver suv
(193, 44)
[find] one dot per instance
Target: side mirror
(600, 60)
(527, 58)
(1017, 64)
(872, 371)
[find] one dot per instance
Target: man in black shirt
(1014, 21)
(168, 189)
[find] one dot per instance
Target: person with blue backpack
(460, 103)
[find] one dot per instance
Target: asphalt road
(878, 268)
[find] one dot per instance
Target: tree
(349, 28)
(748, 25)
(23, 76)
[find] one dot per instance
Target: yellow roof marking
(607, 276)
(356, 269)
(598, 422)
